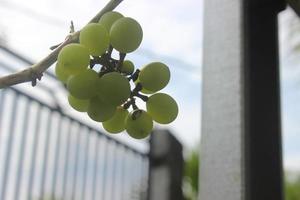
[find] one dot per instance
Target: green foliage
(292, 190)
(191, 175)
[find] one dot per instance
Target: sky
(172, 34)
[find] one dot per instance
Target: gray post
(241, 133)
(166, 167)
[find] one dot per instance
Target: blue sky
(172, 34)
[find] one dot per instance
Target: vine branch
(36, 71)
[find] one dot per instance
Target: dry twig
(35, 71)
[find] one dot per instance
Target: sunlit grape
(61, 73)
(80, 105)
(99, 110)
(73, 58)
(95, 38)
(114, 88)
(109, 18)
(126, 35)
(82, 86)
(117, 123)
(139, 124)
(127, 67)
(154, 76)
(162, 107)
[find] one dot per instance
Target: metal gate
(46, 154)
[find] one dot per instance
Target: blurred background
(173, 35)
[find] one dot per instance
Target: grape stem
(130, 102)
(134, 76)
(35, 72)
(121, 60)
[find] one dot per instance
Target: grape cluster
(106, 94)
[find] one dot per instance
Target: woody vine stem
(35, 72)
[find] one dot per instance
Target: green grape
(144, 91)
(114, 88)
(109, 18)
(126, 35)
(162, 107)
(99, 110)
(73, 58)
(61, 73)
(139, 124)
(95, 38)
(80, 105)
(127, 67)
(82, 86)
(117, 123)
(154, 76)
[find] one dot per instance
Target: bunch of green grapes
(106, 95)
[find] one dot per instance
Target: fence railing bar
(46, 153)
(145, 176)
(105, 151)
(136, 179)
(21, 152)
(33, 155)
(9, 148)
(95, 170)
(56, 156)
(123, 175)
(66, 163)
(86, 149)
(80, 122)
(113, 173)
(2, 101)
(140, 178)
(76, 163)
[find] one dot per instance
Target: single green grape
(144, 91)
(127, 67)
(95, 38)
(61, 73)
(74, 58)
(114, 88)
(154, 76)
(162, 107)
(82, 86)
(126, 35)
(117, 123)
(80, 105)
(139, 124)
(99, 110)
(109, 18)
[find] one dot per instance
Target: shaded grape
(126, 35)
(82, 86)
(73, 58)
(144, 91)
(162, 107)
(154, 76)
(114, 88)
(99, 110)
(109, 18)
(95, 38)
(80, 105)
(117, 123)
(139, 124)
(127, 67)
(61, 73)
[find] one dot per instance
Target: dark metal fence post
(166, 167)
